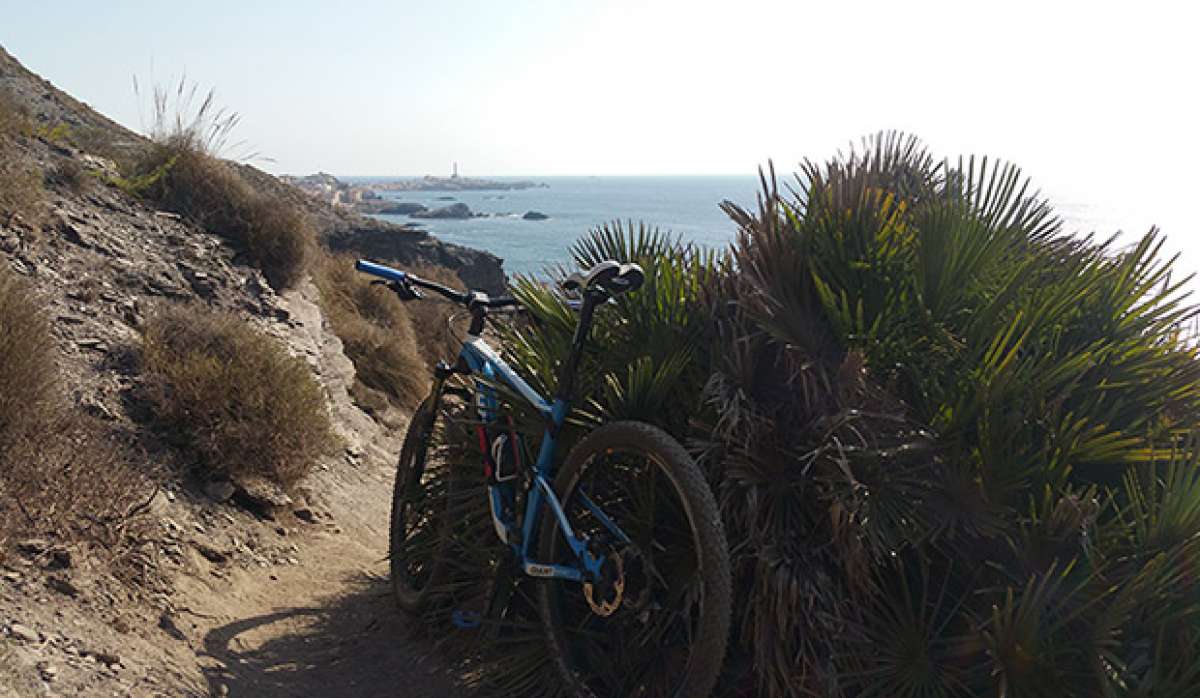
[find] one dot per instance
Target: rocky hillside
(96, 135)
(162, 607)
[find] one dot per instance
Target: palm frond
(950, 444)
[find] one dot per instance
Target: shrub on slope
(234, 395)
(28, 374)
(21, 190)
(182, 171)
(209, 191)
(375, 329)
(61, 474)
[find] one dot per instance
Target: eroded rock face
(49, 105)
(309, 336)
(399, 246)
(103, 261)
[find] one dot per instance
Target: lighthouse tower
(454, 174)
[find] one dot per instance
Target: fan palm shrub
(951, 443)
(965, 388)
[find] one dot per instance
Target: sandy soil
(305, 613)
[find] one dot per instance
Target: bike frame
(480, 360)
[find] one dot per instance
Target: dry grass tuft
(28, 374)
(70, 174)
(21, 191)
(61, 474)
(234, 395)
(279, 239)
(22, 194)
(376, 331)
(184, 172)
(439, 325)
(194, 121)
(14, 119)
(74, 479)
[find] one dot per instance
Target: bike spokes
(636, 639)
(422, 503)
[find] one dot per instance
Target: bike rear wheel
(418, 529)
(658, 622)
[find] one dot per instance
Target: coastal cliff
(345, 230)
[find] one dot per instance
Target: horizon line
(527, 176)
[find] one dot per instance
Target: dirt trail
(323, 627)
(323, 624)
(293, 607)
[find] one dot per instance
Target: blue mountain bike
(625, 540)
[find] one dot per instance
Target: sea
(687, 207)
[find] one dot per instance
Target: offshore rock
(402, 208)
(455, 211)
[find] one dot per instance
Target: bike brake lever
(405, 291)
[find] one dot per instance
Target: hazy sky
(1098, 101)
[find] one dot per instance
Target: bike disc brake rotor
(607, 599)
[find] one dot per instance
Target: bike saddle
(612, 276)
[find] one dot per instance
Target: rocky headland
(366, 198)
(431, 183)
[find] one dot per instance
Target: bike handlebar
(467, 299)
(383, 272)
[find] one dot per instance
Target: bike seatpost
(566, 379)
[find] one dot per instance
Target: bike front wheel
(656, 623)
(418, 521)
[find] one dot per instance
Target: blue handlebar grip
(383, 272)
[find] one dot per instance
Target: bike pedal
(467, 620)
